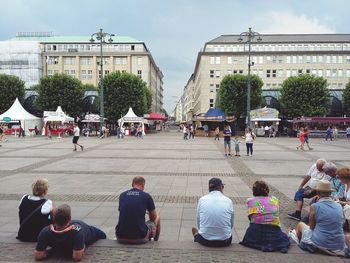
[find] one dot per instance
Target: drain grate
(178, 199)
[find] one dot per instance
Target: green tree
(60, 90)
(89, 87)
(304, 95)
(11, 87)
(233, 94)
(124, 90)
(148, 97)
(346, 99)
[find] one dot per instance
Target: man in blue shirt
(214, 217)
(133, 204)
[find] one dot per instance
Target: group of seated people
(54, 230)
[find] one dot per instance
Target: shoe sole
(294, 218)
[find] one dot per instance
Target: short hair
(343, 173)
(260, 188)
(40, 186)
(327, 167)
(62, 215)
(138, 180)
(321, 161)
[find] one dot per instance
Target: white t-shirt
(347, 193)
(316, 176)
(76, 131)
(249, 137)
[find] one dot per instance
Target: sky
(174, 30)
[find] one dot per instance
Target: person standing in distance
(76, 132)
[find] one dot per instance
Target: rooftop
(286, 38)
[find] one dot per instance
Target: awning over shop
(155, 116)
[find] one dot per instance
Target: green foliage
(346, 99)
(148, 97)
(11, 87)
(89, 87)
(60, 90)
(304, 95)
(124, 90)
(232, 97)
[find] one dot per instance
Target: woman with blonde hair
(34, 211)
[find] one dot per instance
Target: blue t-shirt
(227, 135)
(65, 242)
(133, 205)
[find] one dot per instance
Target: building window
(211, 88)
(340, 59)
(328, 59)
(106, 72)
(120, 60)
(274, 73)
(300, 71)
(328, 73)
(348, 73)
(240, 71)
(89, 74)
(83, 74)
(340, 73)
(52, 60)
(211, 73)
(132, 47)
(70, 72)
(139, 60)
(86, 61)
(294, 59)
(334, 72)
(211, 103)
(288, 73)
(320, 73)
(139, 73)
(229, 60)
(217, 86)
(229, 71)
(320, 59)
(69, 60)
(212, 60)
(268, 73)
(347, 59)
(308, 71)
(217, 73)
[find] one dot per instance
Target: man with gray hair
(337, 186)
(307, 187)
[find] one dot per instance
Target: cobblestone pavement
(177, 174)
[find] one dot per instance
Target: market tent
(17, 113)
(155, 116)
(264, 114)
(214, 115)
(57, 115)
(130, 117)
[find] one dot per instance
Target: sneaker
(229, 154)
(82, 148)
(74, 150)
(294, 216)
(292, 234)
(225, 154)
(194, 231)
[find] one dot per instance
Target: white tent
(131, 117)
(17, 113)
(57, 115)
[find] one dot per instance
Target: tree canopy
(11, 87)
(304, 95)
(124, 90)
(60, 90)
(346, 99)
(232, 94)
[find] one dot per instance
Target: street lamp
(101, 37)
(249, 35)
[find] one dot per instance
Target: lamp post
(249, 35)
(101, 37)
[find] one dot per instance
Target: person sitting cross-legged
(264, 231)
(66, 236)
(325, 231)
(133, 204)
(214, 217)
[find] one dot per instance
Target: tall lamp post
(249, 36)
(101, 37)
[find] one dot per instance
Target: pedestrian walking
(206, 130)
(306, 138)
(185, 132)
(249, 139)
(335, 133)
(329, 133)
(76, 136)
(227, 140)
(237, 143)
(301, 139)
(191, 132)
(217, 134)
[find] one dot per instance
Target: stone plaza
(176, 173)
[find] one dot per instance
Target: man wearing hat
(325, 231)
(214, 217)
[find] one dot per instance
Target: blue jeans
(249, 148)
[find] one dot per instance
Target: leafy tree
(11, 87)
(233, 94)
(346, 99)
(124, 90)
(304, 95)
(89, 87)
(60, 90)
(148, 96)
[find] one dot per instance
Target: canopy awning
(155, 116)
(57, 115)
(17, 113)
(266, 119)
(130, 117)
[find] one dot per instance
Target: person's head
(75, 125)
(249, 130)
(236, 138)
(260, 188)
(344, 175)
(323, 188)
(62, 216)
(40, 187)
(319, 164)
(215, 184)
(138, 182)
(330, 169)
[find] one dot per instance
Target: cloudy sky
(174, 30)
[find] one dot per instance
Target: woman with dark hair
(264, 231)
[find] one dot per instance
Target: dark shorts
(302, 193)
(212, 243)
(227, 143)
(75, 139)
(152, 229)
(348, 135)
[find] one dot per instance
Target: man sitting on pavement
(214, 217)
(133, 204)
(66, 236)
(307, 187)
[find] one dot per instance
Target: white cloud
(288, 23)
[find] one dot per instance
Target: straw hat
(324, 186)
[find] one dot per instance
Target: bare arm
(152, 215)
(305, 180)
(312, 218)
(78, 254)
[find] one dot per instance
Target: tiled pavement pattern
(177, 174)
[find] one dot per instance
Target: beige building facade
(275, 58)
(79, 58)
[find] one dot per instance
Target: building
(275, 58)
(79, 58)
